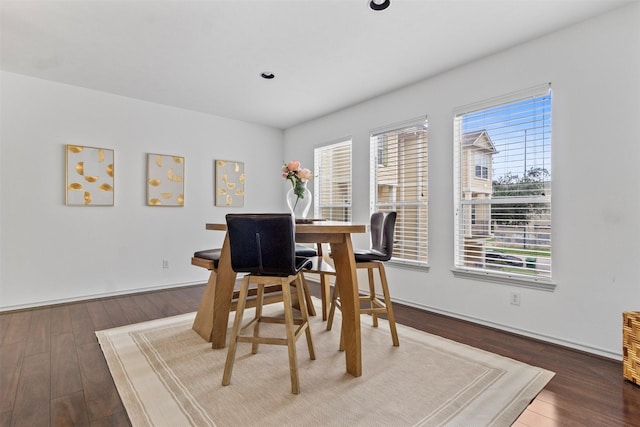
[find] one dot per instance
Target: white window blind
(332, 184)
(503, 212)
(399, 178)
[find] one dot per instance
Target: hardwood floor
(52, 372)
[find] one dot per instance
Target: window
(399, 183)
(332, 185)
(382, 154)
(482, 170)
(503, 186)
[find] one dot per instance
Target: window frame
(463, 242)
(328, 176)
(415, 250)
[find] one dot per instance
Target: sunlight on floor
(540, 413)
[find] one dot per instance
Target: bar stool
(263, 246)
(382, 232)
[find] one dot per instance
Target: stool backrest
(388, 233)
(262, 243)
(386, 222)
(375, 224)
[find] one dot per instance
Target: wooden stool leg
(325, 291)
(233, 341)
(332, 309)
(305, 319)
(325, 294)
(302, 281)
(256, 326)
(291, 342)
(341, 346)
(372, 296)
(387, 302)
(335, 304)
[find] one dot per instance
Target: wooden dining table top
(318, 226)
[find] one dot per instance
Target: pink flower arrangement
(298, 176)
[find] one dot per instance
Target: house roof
(479, 139)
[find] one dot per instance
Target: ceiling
(208, 55)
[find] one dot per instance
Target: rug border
(139, 416)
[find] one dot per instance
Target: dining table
(212, 317)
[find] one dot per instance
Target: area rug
(168, 376)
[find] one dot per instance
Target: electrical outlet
(165, 263)
(514, 298)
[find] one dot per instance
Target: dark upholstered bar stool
(305, 251)
(382, 232)
(208, 258)
(263, 246)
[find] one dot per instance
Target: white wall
(51, 252)
(594, 68)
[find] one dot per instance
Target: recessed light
(379, 4)
(267, 76)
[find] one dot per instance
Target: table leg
(213, 313)
(347, 282)
(203, 322)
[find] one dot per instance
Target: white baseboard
(95, 296)
(546, 338)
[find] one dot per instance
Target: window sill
(407, 265)
(504, 278)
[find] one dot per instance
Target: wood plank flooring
(53, 373)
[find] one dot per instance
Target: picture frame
(165, 180)
(229, 183)
(89, 176)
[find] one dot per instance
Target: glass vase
(299, 206)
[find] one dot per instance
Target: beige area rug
(168, 376)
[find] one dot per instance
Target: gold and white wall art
(229, 183)
(89, 180)
(165, 180)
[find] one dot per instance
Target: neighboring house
(400, 181)
(477, 152)
(476, 178)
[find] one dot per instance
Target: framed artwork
(229, 183)
(89, 177)
(165, 180)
